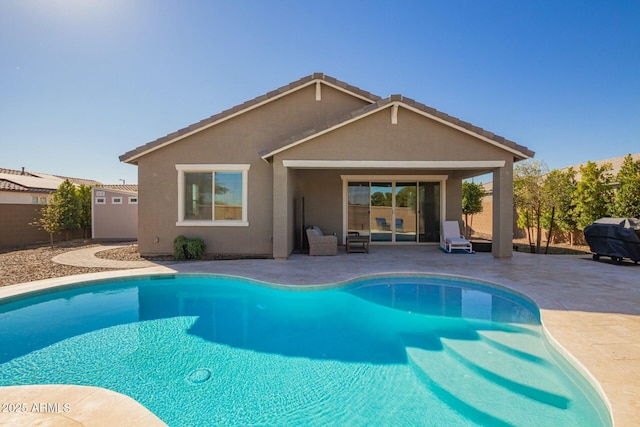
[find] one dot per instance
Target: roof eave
(519, 152)
(132, 156)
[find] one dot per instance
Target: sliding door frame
(346, 179)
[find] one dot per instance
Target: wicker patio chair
(320, 244)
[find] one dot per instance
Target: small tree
(528, 178)
(593, 196)
(83, 194)
(558, 189)
(627, 202)
(472, 195)
(49, 220)
(69, 205)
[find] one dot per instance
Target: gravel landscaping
(34, 262)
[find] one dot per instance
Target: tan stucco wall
(272, 188)
(238, 140)
(414, 138)
(23, 198)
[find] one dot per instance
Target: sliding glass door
(381, 212)
(394, 211)
(358, 208)
(406, 212)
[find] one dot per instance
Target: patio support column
(502, 245)
(454, 199)
(282, 219)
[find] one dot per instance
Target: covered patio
(393, 171)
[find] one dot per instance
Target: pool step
(524, 345)
(537, 380)
(479, 397)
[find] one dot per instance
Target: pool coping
(622, 402)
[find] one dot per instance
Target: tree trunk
(553, 214)
(528, 222)
(466, 225)
(51, 238)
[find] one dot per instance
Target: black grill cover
(615, 237)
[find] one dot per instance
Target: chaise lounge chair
(319, 244)
(451, 239)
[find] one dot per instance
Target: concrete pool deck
(591, 308)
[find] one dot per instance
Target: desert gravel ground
(34, 262)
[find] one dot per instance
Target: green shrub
(188, 248)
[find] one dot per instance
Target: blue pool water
(386, 351)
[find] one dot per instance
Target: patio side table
(357, 244)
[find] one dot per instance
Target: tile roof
(129, 188)
(522, 151)
(376, 103)
(130, 156)
(615, 162)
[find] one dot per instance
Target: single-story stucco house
(320, 152)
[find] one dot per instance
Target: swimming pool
(216, 350)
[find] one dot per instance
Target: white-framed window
(43, 200)
(101, 201)
(212, 194)
(34, 199)
(116, 200)
(133, 200)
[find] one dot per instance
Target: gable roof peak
(131, 156)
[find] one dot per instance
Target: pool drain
(199, 376)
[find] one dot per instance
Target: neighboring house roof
(395, 101)
(128, 188)
(616, 164)
(316, 78)
(15, 180)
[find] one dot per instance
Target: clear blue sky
(84, 81)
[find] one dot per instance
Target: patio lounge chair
(382, 224)
(450, 237)
(320, 244)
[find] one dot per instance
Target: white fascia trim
(252, 107)
(385, 164)
(213, 167)
(464, 130)
(341, 89)
(370, 178)
(205, 223)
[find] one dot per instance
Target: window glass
(198, 199)
(34, 199)
(212, 195)
(228, 198)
